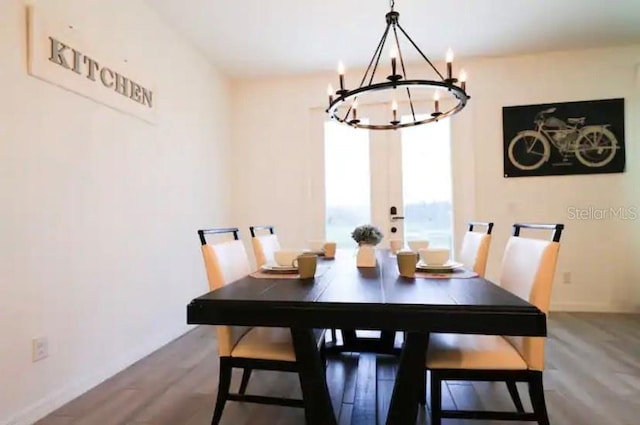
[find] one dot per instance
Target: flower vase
(366, 256)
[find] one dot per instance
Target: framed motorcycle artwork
(584, 137)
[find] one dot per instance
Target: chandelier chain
(393, 4)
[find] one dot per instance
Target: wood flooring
(592, 377)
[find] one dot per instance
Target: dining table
(345, 296)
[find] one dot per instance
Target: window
(347, 181)
(427, 184)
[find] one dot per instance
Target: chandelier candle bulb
(394, 109)
(330, 93)
(394, 55)
(463, 79)
(449, 63)
(341, 74)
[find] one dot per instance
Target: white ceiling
(246, 38)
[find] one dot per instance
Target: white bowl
(434, 256)
(285, 257)
(416, 246)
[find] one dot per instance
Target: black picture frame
(585, 137)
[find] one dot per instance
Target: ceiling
(248, 38)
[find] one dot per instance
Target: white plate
(449, 265)
(272, 267)
(314, 251)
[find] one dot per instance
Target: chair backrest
(528, 269)
(225, 262)
(264, 246)
(475, 248)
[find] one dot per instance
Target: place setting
(432, 263)
(297, 264)
(322, 248)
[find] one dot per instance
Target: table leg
(387, 340)
(349, 337)
(315, 394)
(403, 408)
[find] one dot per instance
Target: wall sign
(564, 138)
(57, 55)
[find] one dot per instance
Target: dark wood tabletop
(369, 298)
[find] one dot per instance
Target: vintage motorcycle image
(592, 145)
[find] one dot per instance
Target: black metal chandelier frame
(395, 81)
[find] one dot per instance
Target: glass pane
(426, 181)
(347, 181)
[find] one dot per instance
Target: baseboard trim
(59, 398)
(593, 307)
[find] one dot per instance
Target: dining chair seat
(486, 352)
(269, 344)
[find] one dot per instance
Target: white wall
(599, 254)
(277, 159)
(98, 249)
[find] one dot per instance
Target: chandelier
(343, 103)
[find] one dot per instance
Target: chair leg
(423, 389)
(245, 380)
(436, 398)
(224, 382)
(323, 353)
(515, 396)
(536, 392)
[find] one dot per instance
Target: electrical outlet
(40, 349)
(566, 278)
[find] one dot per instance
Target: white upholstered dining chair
(475, 248)
(264, 246)
(528, 269)
(238, 346)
